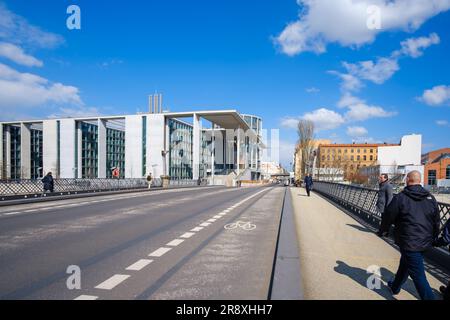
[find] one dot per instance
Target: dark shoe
(442, 289)
(389, 284)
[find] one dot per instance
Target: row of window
(351, 158)
(352, 150)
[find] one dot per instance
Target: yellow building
(349, 157)
(298, 167)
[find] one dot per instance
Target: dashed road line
(86, 297)
(205, 224)
(159, 252)
(139, 265)
(197, 229)
(187, 235)
(112, 282)
(175, 242)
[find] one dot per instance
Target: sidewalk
(335, 252)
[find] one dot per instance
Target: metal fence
(362, 200)
(24, 187)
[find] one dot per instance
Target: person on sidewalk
(443, 241)
(48, 183)
(149, 180)
(309, 184)
(385, 193)
(415, 215)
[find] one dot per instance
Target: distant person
(443, 241)
(385, 194)
(415, 214)
(149, 180)
(309, 184)
(48, 183)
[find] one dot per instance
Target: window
(365, 158)
(359, 158)
(447, 172)
(371, 150)
(353, 150)
(345, 151)
(359, 150)
(352, 158)
(371, 158)
(432, 177)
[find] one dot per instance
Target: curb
(286, 283)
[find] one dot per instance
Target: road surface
(168, 244)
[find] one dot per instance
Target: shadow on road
(360, 228)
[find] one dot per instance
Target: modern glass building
(158, 143)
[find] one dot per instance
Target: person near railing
(309, 184)
(385, 194)
(49, 183)
(443, 241)
(149, 180)
(415, 215)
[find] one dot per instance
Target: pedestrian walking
(385, 194)
(149, 180)
(415, 215)
(309, 184)
(48, 182)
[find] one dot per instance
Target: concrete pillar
(238, 151)
(133, 146)
(213, 154)
(196, 145)
(25, 151)
(8, 152)
(78, 168)
(102, 151)
(68, 154)
(50, 147)
(2, 155)
(155, 144)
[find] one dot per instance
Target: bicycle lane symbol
(247, 226)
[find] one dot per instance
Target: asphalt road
(169, 244)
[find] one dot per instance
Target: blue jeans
(411, 264)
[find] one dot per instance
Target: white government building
(182, 145)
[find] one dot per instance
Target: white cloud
(344, 22)
(312, 90)
(363, 111)
(17, 29)
(436, 96)
(79, 112)
(348, 99)
(442, 123)
(377, 72)
(17, 55)
(26, 90)
(357, 132)
(349, 81)
(413, 47)
(289, 122)
(324, 119)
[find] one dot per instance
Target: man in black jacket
(385, 194)
(415, 214)
(48, 183)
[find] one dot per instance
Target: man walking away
(415, 214)
(48, 183)
(149, 180)
(309, 184)
(443, 241)
(385, 194)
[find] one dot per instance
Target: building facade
(437, 168)
(163, 144)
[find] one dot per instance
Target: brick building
(437, 167)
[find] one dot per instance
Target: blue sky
(279, 59)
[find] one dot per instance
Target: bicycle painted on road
(247, 226)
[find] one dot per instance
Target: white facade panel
(68, 137)
(133, 146)
(101, 149)
(25, 151)
(50, 147)
(408, 153)
(155, 145)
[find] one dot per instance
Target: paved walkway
(336, 251)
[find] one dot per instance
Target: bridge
(99, 241)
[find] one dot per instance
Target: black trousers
(308, 191)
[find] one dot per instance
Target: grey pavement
(159, 245)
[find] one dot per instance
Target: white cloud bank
(344, 22)
(17, 55)
(357, 132)
(438, 95)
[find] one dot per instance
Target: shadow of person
(361, 276)
(360, 228)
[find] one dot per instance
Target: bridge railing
(25, 187)
(362, 201)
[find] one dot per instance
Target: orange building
(437, 167)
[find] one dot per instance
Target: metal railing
(25, 187)
(362, 201)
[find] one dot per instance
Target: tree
(305, 130)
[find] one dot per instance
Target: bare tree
(305, 130)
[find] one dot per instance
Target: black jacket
(415, 214)
(385, 195)
(309, 182)
(48, 182)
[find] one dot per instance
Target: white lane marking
(11, 213)
(227, 210)
(197, 229)
(139, 265)
(86, 297)
(112, 282)
(32, 210)
(160, 252)
(205, 224)
(217, 217)
(187, 235)
(223, 214)
(175, 242)
(212, 220)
